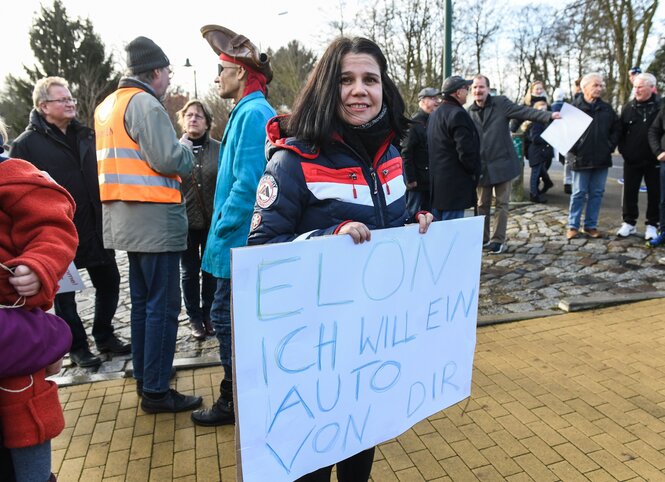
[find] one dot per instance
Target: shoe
(546, 187)
(496, 248)
(172, 402)
(198, 331)
(537, 199)
(567, 188)
(593, 233)
(84, 358)
(657, 241)
(210, 331)
(115, 346)
(572, 233)
(627, 229)
(221, 413)
(487, 244)
(651, 232)
(661, 260)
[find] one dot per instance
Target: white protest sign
(71, 281)
(339, 347)
(562, 134)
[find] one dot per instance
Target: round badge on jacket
(256, 221)
(266, 193)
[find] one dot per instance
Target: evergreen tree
(67, 48)
(291, 66)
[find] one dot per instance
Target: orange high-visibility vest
(123, 173)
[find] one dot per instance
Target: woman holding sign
(332, 169)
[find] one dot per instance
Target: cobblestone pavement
(538, 270)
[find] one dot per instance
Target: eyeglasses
(194, 116)
(221, 68)
(64, 100)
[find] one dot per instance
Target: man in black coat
(414, 153)
(454, 150)
(57, 143)
(639, 161)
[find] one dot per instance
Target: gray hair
(588, 78)
(3, 135)
(648, 78)
(180, 115)
(40, 92)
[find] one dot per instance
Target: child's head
(540, 105)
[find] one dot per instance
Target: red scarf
(255, 79)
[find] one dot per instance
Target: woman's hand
(25, 281)
(424, 220)
(358, 231)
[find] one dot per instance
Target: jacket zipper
(354, 177)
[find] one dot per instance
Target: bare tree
(480, 24)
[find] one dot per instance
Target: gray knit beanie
(144, 55)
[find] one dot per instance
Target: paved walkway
(574, 397)
(538, 270)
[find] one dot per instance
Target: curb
(566, 305)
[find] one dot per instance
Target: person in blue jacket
(332, 169)
(243, 76)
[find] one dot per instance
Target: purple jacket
(30, 340)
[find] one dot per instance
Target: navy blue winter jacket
(306, 192)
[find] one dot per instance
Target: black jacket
(539, 151)
(657, 132)
(414, 152)
(454, 147)
(636, 118)
(76, 172)
(594, 149)
(497, 153)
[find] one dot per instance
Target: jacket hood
(18, 171)
(277, 139)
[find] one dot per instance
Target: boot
(208, 327)
(198, 331)
(222, 411)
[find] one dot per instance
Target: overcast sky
(268, 23)
(176, 28)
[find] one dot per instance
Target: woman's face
(360, 87)
(537, 90)
(195, 122)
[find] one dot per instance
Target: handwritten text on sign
(339, 347)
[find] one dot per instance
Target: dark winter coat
(594, 149)
(540, 152)
(497, 153)
(77, 173)
(198, 187)
(657, 133)
(636, 118)
(454, 147)
(414, 152)
(307, 192)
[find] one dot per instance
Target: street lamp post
(188, 64)
(448, 46)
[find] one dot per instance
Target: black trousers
(632, 178)
(356, 468)
(106, 280)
